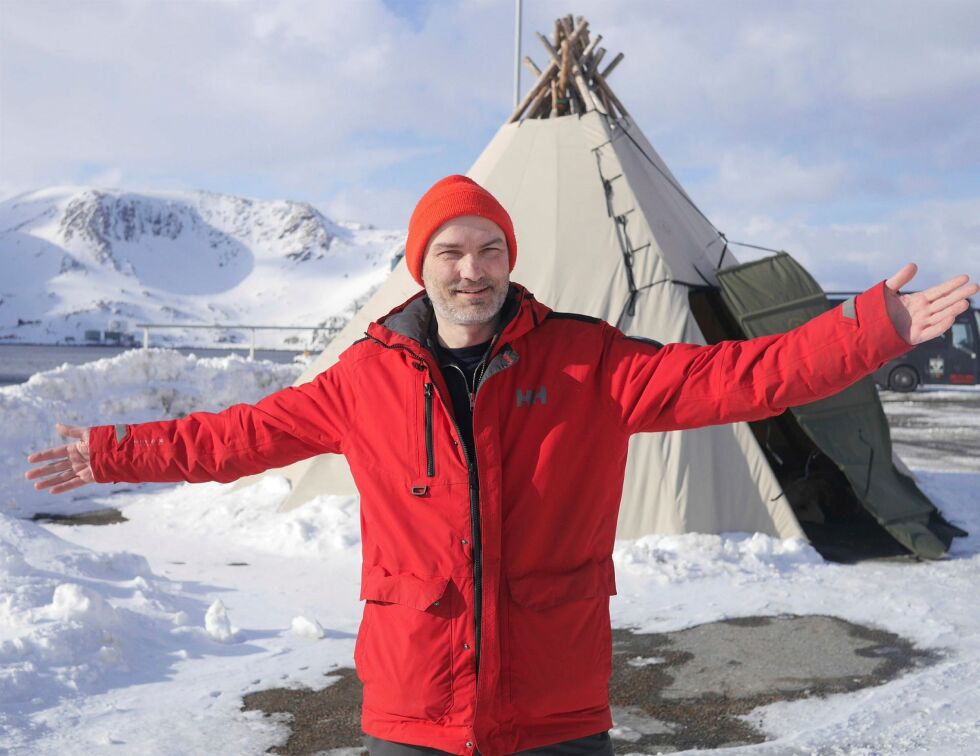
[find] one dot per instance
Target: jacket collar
(409, 324)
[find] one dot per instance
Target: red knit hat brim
(449, 198)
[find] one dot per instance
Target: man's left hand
(926, 314)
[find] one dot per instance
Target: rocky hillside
(77, 259)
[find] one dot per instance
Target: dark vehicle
(953, 358)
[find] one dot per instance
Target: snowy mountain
(77, 259)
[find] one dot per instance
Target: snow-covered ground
(142, 637)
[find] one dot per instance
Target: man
(487, 436)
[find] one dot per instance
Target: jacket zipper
(475, 535)
(477, 377)
(430, 460)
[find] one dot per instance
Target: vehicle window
(963, 337)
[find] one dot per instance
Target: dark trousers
(599, 744)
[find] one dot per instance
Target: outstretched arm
(68, 467)
(289, 425)
(681, 386)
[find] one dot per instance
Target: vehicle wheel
(903, 379)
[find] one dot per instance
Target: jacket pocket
(559, 654)
(403, 652)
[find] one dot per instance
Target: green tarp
(776, 294)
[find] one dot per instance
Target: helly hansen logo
(525, 398)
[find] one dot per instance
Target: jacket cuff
(869, 311)
(103, 442)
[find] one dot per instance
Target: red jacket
(552, 418)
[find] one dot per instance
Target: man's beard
(472, 314)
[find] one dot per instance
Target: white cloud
(783, 109)
(216, 90)
(379, 207)
(758, 180)
(942, 236)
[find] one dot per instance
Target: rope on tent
(627, 250)
(703, 277)
(753, 246)
(641, 289)
(724, 249)
(622, 237)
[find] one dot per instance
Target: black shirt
(462, 369)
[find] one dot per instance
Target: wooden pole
(584, 58)
(583, 88)
(517, 52)
(541, 83)
(566, 67)
(611, 66)
(531, 66)
(601, 82)
(543, 108)
(605, 102)
(594, 63)
(547, 45)
(534, 108)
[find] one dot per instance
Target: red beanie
(452, 197)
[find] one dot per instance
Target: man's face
(466, 270)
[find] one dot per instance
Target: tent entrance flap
(849, 430)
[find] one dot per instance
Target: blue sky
(847, 133)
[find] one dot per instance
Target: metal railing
(331, 326)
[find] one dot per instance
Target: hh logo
(529, 397)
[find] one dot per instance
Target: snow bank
(753, 556)
(80, 626)
(77, 621)
(135, 386)
(250, 517)
(71, 620)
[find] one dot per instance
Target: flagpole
(517, 53)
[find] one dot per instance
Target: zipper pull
(472, 399)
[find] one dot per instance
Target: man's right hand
(68, 466)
